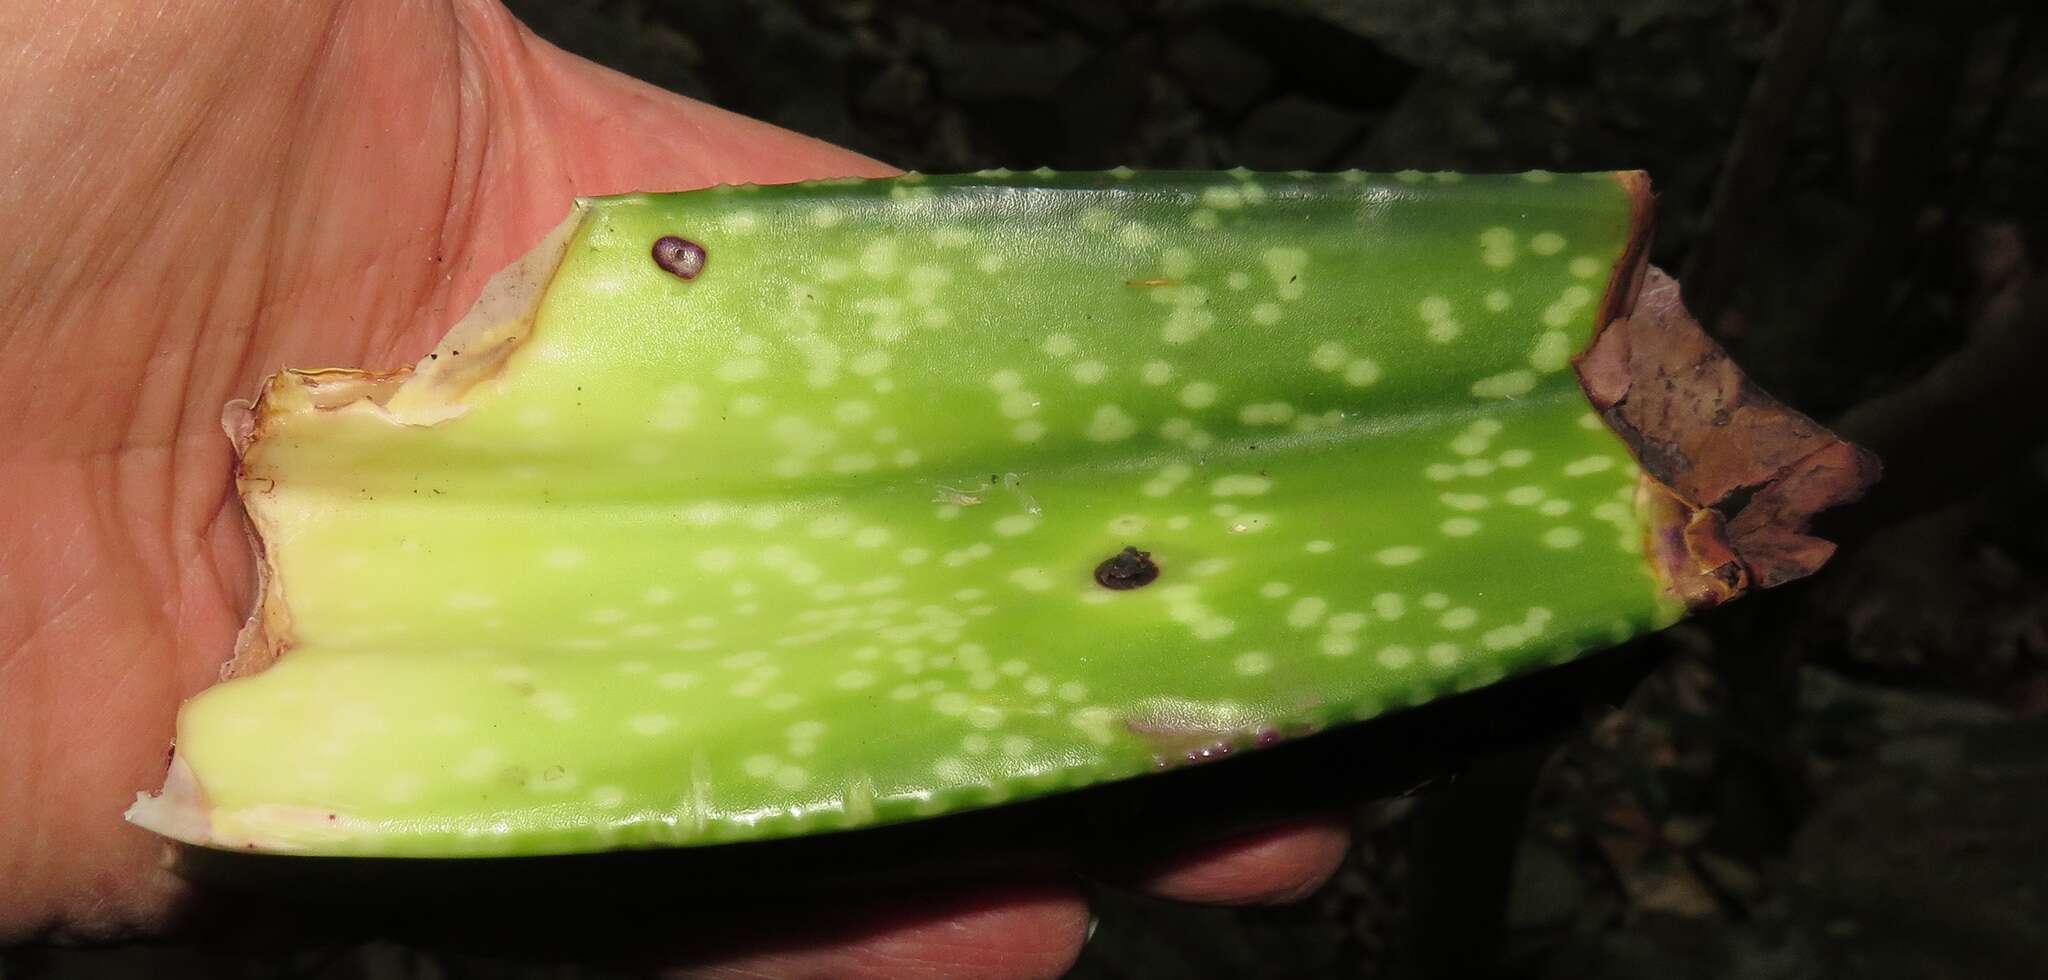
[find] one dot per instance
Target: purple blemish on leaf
(1193, 755)
(1179, 741)
(1127, 569)
(679, 257)
(1209, 753)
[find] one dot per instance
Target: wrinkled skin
(198, 194)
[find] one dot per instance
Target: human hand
(202, 193)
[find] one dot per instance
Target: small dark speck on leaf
(1127, 569)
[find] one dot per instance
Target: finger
(656, 140)
(1271, 866)
(1018, 931)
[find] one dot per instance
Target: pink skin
(202, 192)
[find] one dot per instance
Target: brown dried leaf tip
(1732, 477)
(1127, 569)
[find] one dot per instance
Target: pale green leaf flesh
(807, 543)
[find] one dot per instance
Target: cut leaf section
(924, 494)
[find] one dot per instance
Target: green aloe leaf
(762, 511)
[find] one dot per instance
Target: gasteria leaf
(762, 511)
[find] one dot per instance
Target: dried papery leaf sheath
(751, 512)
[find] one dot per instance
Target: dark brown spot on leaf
(679, 257)
(1127, 569)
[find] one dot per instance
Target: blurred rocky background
(1844, 779)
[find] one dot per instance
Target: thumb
(614, 134)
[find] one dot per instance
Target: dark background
(1846, 778)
